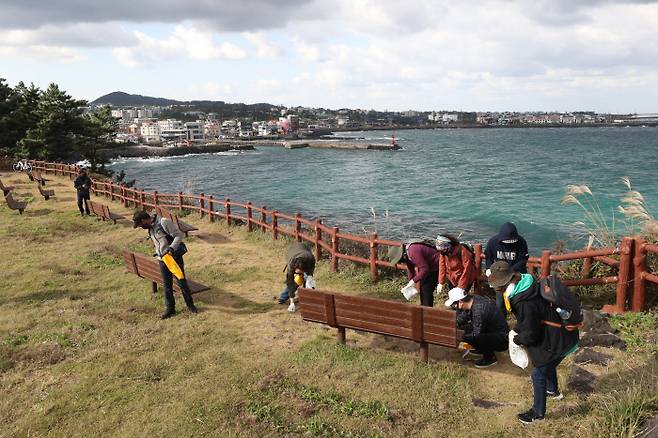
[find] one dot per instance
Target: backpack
(564, 302)
(423, 241)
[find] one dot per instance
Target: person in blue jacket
(510, 247)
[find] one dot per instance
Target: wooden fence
(629, 259)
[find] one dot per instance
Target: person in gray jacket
(167, 239)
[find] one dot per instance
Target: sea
(466, 182)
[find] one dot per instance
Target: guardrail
(629, 259)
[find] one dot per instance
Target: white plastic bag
(310, 282)
(292, 307)
(409, 291)
(517, 353)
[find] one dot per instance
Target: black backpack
(560, 297)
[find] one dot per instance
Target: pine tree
(100, 131)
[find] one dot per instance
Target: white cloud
(266, 84)
(184, 42)
(64, 55)
(264, 47)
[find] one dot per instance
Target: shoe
(193, 309)
(557, 395)
(529, 416)
(168, 314)
(486, 362)
(472, 355)
(282, 302)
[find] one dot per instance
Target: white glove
(487, 272)
(292, 308)
(439, 289)
(310, 282)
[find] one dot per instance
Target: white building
(170, 124)
(194, 130)
(450, 118)
(150, 132)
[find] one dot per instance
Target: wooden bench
(47, 193)
(149, 268)
(15, 205)
(102, 211)
(38, 178)
(424, 325)
(5, 189)
(184, 227)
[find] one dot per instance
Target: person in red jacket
(456, 264)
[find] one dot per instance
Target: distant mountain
(119, 98)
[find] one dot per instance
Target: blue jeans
(544, 378)
(285, 294)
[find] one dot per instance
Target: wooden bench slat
(373, 317)
(314, 316)
(384, 329)
(438, 330)
(447, 341)
(374, 303)
(403, 312)
(312, 306)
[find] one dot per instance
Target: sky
(498, 55)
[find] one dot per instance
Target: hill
(119, 98)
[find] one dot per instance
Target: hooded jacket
(544, 343)
(298, 257)
(515, 254)
(82, 184)
(458, 267)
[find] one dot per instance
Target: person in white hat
(484, 326)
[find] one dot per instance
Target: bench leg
(424, 351)
(154, 287)
(340, 335)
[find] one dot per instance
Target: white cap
(455, 294)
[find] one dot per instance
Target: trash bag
(517, 353)
(173, 267)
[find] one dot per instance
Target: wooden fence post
(373, 257)
(180, 201)
(111, 191)
(211, 208)
(639, 282)
(124, 196)
(625, 266)
(227, 210)
(202, 203)
(318, 238)
(141, 198)
(334, 249)
(545, 264)
(275, 225)
(298, 228)
(263, 218)
(587, 267)
(249, 217)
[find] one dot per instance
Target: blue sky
(383, 54)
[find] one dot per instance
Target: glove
(292, 308)
(487, 272)
(310, 282)
(439, 289)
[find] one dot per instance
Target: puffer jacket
(298, 256)
(544, 343)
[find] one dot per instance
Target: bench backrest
(149, 269)
(163, 212)
(417, 323)
(11, 202)
(2, 186)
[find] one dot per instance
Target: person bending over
(422, 261)
(300, 265)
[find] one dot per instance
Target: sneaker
(486, 362)
(529, 416)
(168, 314)
(557, 395)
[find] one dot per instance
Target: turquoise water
(466, 181)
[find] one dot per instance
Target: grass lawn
(83, 353)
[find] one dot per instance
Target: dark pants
(500, 303)
(82, 205)
(427, 288)
(488, 343)
(544, 378)
(168, 277)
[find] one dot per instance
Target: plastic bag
(409, 291)
(173, 267)
(517, 353)
(310, 282)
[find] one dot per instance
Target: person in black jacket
(484, 326)
(508, 246)
(300, 265)
(82, 184)
(547, 345)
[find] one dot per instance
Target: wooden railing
(628, 260)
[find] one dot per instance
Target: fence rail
(631, 280)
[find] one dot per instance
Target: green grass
(639, 330)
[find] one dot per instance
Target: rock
(589, 356)
(598, 332)
(581, 381)
(650, 428)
